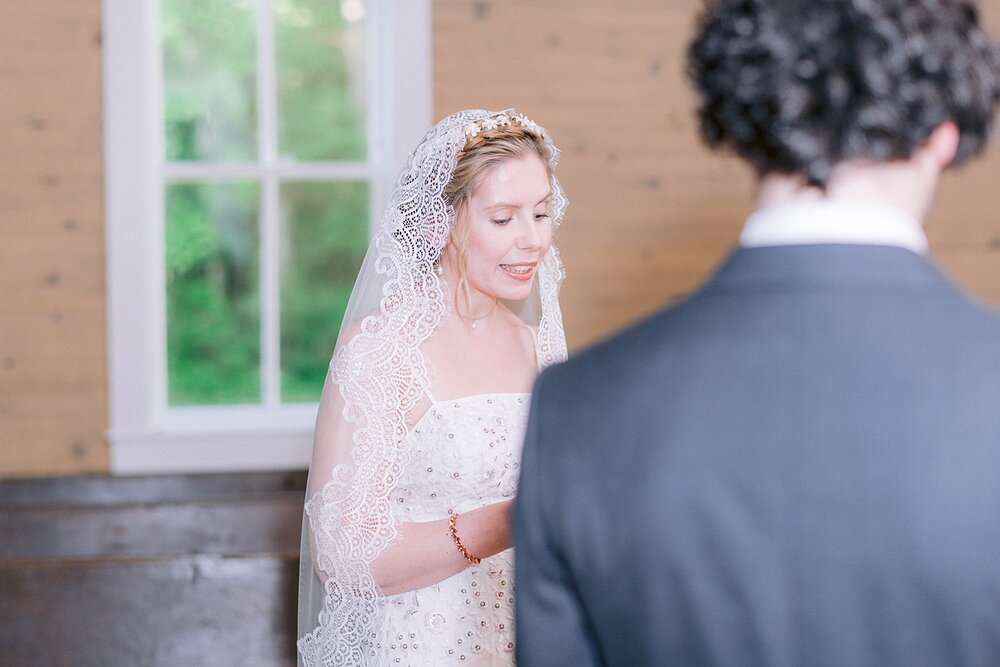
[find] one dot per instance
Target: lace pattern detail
(551, 334)
(468, 617)
(382, 375)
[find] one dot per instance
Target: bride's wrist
(471, 558)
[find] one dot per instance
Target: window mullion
(195, 172)
(267, 114)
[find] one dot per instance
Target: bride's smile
(507, 229)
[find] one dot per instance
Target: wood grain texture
(196, 610)
(607, 81)
(105, 491)
(165, 570)
(53, 387)
(651, 210)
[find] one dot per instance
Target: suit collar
(825, 266)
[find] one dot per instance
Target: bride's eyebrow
(500, 205)
(510, 205)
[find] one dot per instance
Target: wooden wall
(53, 387)
(651, 211)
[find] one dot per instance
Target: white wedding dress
(462, 454)
(380, 462)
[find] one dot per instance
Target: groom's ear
(942, 144)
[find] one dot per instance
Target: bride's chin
(518, 294)
(510, 293)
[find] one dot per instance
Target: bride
(406, 553)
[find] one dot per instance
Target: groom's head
(799, 86)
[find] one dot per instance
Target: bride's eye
(501, 222)
(539, 216)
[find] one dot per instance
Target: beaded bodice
(462, 454)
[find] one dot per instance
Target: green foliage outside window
(325, 237)
(210, 87)
(321, 113)
(213, 228)
(213, 304)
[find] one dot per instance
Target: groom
(800, 464)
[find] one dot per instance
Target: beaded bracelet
(453, 528)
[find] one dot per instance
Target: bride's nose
(530, 237)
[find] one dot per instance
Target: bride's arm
(424, 553)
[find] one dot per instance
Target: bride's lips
(520, 271)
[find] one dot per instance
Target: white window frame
(145, 435)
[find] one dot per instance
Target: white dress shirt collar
(833, 222)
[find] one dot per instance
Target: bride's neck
(470, 304)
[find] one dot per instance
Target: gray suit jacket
(798, 465)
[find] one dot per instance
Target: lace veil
(377, 382)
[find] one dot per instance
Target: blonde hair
(483, 153)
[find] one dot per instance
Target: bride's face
(509, 228)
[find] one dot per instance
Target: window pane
(324, 239)
(213, 302)
(209, 79)
(321, 79)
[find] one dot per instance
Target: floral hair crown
(504, 118)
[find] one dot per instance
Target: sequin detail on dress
(464, 454)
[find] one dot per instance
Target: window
(249, 145)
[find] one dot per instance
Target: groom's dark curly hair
(797, 86)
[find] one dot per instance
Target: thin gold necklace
(477, 320)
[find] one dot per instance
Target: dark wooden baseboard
(175, 570)
(155, 529)
(106, 490)
(181, 611)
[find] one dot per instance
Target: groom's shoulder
(974, 329)
(620, 354)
